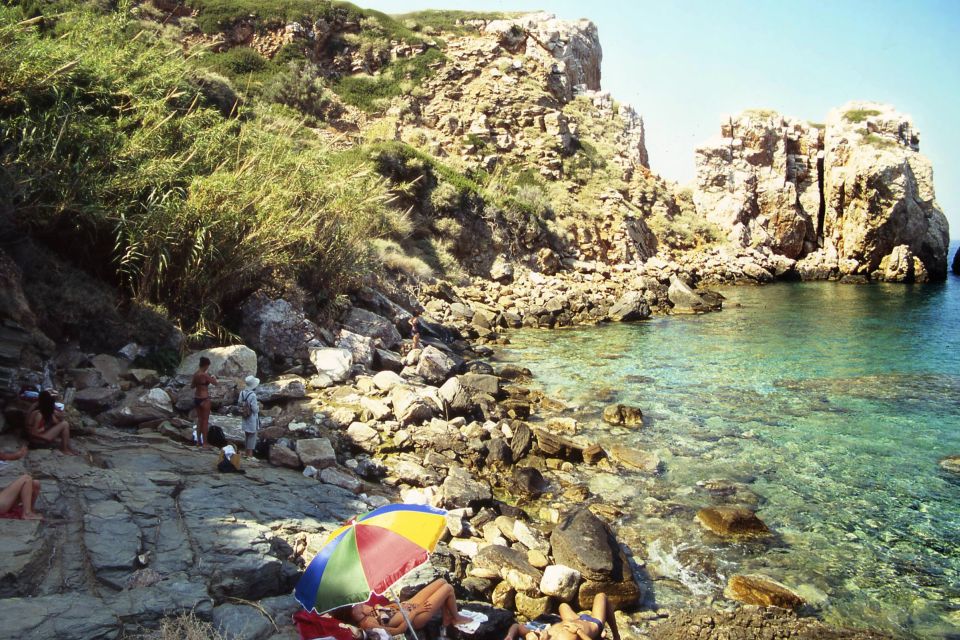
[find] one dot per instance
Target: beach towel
(476, 619)
(15, 513)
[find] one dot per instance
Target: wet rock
(623, 415)
(513, 372)
(732, 521)
(645, 461)
(763, 591)
(553, 445)
(316, 452)
(594, 454)
(951, 463)
(752, 622)
(560, 581)
(333, 362)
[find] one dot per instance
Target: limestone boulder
(226, 363)
(316, 452)
(362, 348)
(561, 582)
(408, 406)
(332, 362)
(461, 489)
(387, 380)
(435, 366)
(512, 566)
(154, 404)
(282, 456)
(363, 437)
(369, 324)
(277, 329)
(286, 387)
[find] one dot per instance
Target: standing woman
(250, 412)
(201, 399)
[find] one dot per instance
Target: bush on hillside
(303, 88)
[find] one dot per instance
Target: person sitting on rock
(585, 626)
(435, 598)
(415, 331)
(45, 424)
(22, 493)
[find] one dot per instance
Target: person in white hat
(250, 412)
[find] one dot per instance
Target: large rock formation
(840, 197)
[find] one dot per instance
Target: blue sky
(685, 63)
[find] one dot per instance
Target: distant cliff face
(851, 197)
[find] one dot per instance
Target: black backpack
(216, 437)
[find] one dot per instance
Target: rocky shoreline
(143, 526)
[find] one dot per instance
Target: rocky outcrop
(840, 197)
(571, 48)
(763, 591)
(956, 262)
(747, 623)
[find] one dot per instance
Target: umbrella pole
(404, 614)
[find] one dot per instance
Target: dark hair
(45, 404)
(204, 361)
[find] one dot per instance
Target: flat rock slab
(204, 536)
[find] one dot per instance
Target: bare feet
(69, 452)
(32, 516)
(461, 619)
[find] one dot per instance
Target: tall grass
(110, 151)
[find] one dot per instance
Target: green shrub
(303, 88)
(445, 197)
(879, 141)
(859, 115)
(449, 21)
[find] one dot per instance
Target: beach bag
(245, 409)
(229, 461)
(216, 436)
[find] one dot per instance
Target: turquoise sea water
(827, 406)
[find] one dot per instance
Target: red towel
(312, 625)
(15, 513)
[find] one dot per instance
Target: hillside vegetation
(155, 151)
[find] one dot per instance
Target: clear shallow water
(828, 405)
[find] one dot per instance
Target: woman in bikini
(586, 626)
(436, 597)
(200, 383)
(24, 492)
(45, 424)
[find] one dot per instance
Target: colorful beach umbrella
(369, 554)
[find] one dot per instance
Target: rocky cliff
(851, 197)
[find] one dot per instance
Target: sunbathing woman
(23, 491)
(45, 424)
(436, 597)
(572, 626)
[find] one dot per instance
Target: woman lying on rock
(435, 598)
(45, 424)
(571, 626)
(21, 494)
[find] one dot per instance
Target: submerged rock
(762, 590)
(623, 415)
(732, 521)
